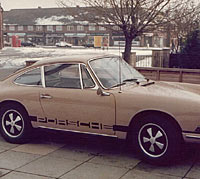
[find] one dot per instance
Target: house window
(91, 27)
(59, 28)
(39, 28)
(101, 28)
(20, 28)
(12, 28)
(116, 28)
(50, 28)
(70, 28)
(30, 28)
(80, 28)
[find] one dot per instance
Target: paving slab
(13, 160)
(19, 175)
(194, 173)
(3, 172)
(3, 149)
(178, 170)
(6, 145)
(95, 171)
(73, 154)
(137, 174)
(116, 160)
(38, 148)
(50, 166)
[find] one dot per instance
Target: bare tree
(133, 17)
(186, 19)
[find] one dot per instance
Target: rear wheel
(14, 125)
(156, 139)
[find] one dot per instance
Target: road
(4, 72)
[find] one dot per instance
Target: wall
(171, 74)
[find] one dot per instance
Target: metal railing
(144, 61)
(152, 61)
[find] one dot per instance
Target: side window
(87, 80)
(62, 76)
(32, 77)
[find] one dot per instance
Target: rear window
(32, 78)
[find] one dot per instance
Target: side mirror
(102, 93)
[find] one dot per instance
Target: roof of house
(47, 16)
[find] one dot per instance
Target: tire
(156, 139)
(14, 124)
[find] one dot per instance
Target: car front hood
(166, 89)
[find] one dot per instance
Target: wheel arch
(3, 103)
(138, 117)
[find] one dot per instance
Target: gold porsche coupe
(100, 95)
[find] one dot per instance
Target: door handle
(45, 96)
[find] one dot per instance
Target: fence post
(132, 61)
(160, 57)
(156, 54)
(166, 56)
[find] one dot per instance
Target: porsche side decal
(59, 122)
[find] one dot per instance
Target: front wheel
(156, 139)
(14, 125)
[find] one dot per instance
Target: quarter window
(32, 78)
(87, 80)
(62, 76)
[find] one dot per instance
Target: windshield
(108, 72)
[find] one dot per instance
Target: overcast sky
(22, 4)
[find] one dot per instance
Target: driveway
(52, 154)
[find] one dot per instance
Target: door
(28, 87)
(71, 102)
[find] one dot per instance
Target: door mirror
(102, 93)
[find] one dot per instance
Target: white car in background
(63, 44)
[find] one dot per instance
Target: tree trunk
(127, 51)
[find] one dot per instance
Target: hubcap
(12, 123)
(153, 140)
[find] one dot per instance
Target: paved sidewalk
(73, 156)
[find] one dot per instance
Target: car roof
(82, 58)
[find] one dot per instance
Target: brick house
(47, 26)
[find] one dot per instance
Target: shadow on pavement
(98, 144)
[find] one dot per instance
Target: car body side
(130, 103)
